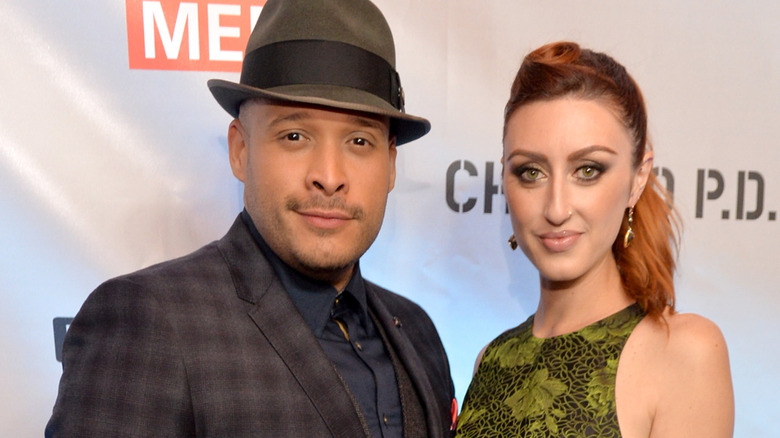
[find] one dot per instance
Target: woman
(605, 354)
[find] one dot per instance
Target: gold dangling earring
(629, 236)
(512, 242)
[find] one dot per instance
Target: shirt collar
(314, 299)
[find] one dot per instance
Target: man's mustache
(327, 204)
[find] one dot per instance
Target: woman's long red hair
(564, 69)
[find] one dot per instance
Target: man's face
(315, 182)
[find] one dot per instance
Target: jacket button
(397, 321)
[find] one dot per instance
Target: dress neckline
(620, 315)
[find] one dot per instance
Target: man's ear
(238, 142)
(393, 151)
(640, 179)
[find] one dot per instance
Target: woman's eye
(588, 172)
(530, 174)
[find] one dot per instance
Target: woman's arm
(696, 398)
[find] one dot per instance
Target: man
(272, 331)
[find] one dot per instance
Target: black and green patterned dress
(562, 386)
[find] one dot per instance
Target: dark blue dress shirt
(359, 355)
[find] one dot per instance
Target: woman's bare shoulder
(694, 338)
(676, 336)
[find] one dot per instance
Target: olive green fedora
(331, 53)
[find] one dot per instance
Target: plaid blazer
(210, 344)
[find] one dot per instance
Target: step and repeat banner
(113, 157)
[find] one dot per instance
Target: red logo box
(202, 35)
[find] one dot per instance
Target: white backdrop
(105, 169)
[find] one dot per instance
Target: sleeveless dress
(562, 386)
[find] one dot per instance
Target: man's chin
(325, 267)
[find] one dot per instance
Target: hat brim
(404, 126)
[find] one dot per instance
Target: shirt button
(359, 347)
(384, 418)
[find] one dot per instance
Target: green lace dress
(556, 387)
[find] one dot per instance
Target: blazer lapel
(410, 359)
(282, 325)
(285, 329)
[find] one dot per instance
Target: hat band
(309, 62)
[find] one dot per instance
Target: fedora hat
(333, 53)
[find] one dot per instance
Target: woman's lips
(559, 241)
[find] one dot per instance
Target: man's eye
(293, 136)
(360, 141)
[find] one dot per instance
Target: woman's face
(568, 178)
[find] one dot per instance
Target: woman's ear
(640, 179)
